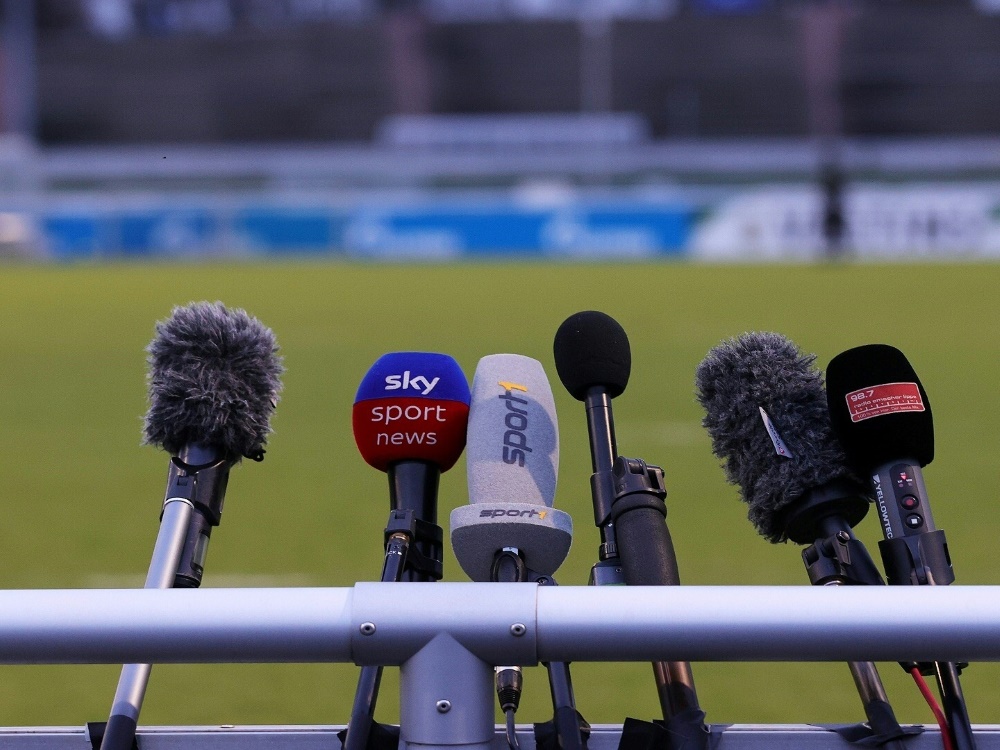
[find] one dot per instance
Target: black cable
(511, 731)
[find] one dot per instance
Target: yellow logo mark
(508, 386)
(543, 513)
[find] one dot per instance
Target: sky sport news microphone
(410, 418)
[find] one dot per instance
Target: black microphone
(880, 411)
(765, 410)
(214, 379)
(594, 360)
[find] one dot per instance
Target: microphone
(882, 415)
(410, 417)
(512, 459)
(766, 413)
(594, 360)
(214, 379)
(880, 411)
(509, 531)
(765, 410)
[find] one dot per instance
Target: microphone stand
(840, 559)
(196, 490)
(674, 680)
(509, 567)
(923, 559)
(413, 552)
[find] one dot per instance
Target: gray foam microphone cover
(512, 454)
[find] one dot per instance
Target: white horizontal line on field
(671, 434)
(224, 580)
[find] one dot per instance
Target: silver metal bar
(502, 623)
(310, 737)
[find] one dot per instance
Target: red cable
(935, 708)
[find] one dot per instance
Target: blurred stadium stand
(440, 127)
(156, 70)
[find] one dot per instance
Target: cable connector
(509, 681)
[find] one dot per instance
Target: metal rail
(388, 623)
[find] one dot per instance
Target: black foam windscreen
(591, 350)
(878, 407)
(214, 379)
(766, 413)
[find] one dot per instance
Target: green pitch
(80, 495)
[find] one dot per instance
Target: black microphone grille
(878, 406)
(214, 379)
(591, 349)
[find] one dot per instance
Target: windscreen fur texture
(767, 370)
(214, 379)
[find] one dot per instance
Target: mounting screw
(368, 628)
(443, 706)
(843, 537)
(518, 629)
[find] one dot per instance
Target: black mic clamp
(914, 551)
(840, 558)
(637, 485)
(201, 476)
(425, 534)
(630, 483)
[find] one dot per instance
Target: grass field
(81, 496)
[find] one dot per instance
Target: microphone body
(512, 461)
(410, 417)
(594, 360)
(510, 532)
(882, 415)
(766, 412)
(214, 380)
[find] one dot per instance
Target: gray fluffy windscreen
(767, 370)
(214, 379)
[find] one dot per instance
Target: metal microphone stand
(405, 537)
(840, 559)
(509, 567)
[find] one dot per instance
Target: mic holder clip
(630, 483)
(201, 475)
(840, 558)
(424, 534)
(917, 560)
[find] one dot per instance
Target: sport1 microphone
(594, 360)
(512, 458)
(880, 411)
(410, 417)
(214, 380)
(510, 532)
(765, 410)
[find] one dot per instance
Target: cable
(511, 731)
(935, 708)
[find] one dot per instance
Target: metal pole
(501, 623)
